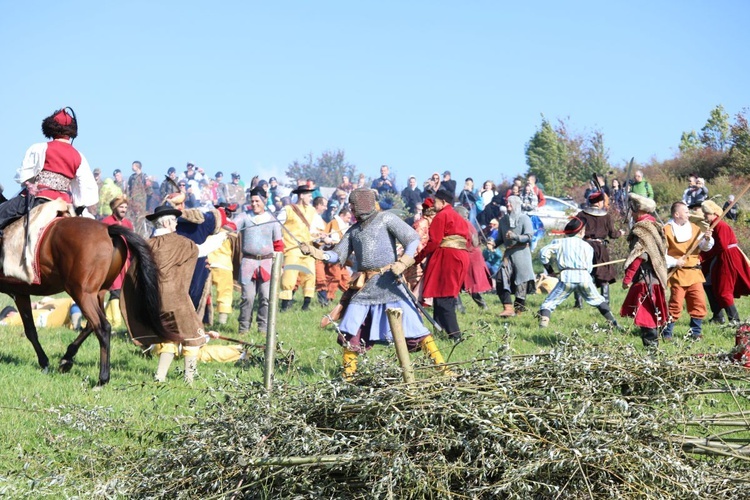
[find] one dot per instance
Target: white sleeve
(213, 242)
(33, 162)
(83, 187)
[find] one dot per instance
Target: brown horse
(83, 257)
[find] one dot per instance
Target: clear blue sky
(420, 85)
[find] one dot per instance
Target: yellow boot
(350, 364)
(431, 349)
(113, 313)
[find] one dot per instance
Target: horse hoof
(45, 370)
(65, 365)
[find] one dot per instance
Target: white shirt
(83, 188)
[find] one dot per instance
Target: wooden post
(397, 329)
(273, 307)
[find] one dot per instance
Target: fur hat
(175, 198)
(61, 123)
(117, 201)
(596, 197)
(573, 227)
(640, 203)
(711, 207)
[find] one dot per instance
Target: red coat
(447, 267)
(478, 278)
(727, 265)
(110, 220)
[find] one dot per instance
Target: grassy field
(58, 427)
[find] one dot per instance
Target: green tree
(739, 152)
(689, 142)
(596, 154)
(546, 157)
(326, 170)
(715, 133)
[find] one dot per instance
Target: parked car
(555, 213)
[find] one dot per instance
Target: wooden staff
(242, 342)
(697, 242)
(608, 263)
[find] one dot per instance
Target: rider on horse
(52, 170)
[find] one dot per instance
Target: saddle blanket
(21, 265)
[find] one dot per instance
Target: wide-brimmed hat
(445, 195)
(163, 210)
(303, 190)
(258, 191)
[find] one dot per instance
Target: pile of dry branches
(577, 422)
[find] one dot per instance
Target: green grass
(55, 426)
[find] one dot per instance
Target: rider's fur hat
(61, 123)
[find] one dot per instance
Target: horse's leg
(66, 363)
(23, 302)
(95, 322)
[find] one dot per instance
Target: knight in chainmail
(517, 272)
(370, 245)
(645, 271)
(53, 170)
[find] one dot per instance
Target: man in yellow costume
(297, 221)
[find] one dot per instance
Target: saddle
(19, 256)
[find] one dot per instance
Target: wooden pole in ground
(395, 317)
(273, 306)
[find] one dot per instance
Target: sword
(415, 301)
(299, 243)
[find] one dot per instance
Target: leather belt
(257, 257)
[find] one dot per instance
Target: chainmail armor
(374, 246)
(362, 201)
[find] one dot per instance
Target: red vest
(60, 158)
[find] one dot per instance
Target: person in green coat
(640, 186)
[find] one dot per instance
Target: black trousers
(444, 309)
(15, 208)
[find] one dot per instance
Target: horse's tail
(147, 276)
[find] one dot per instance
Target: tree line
(563, 158)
